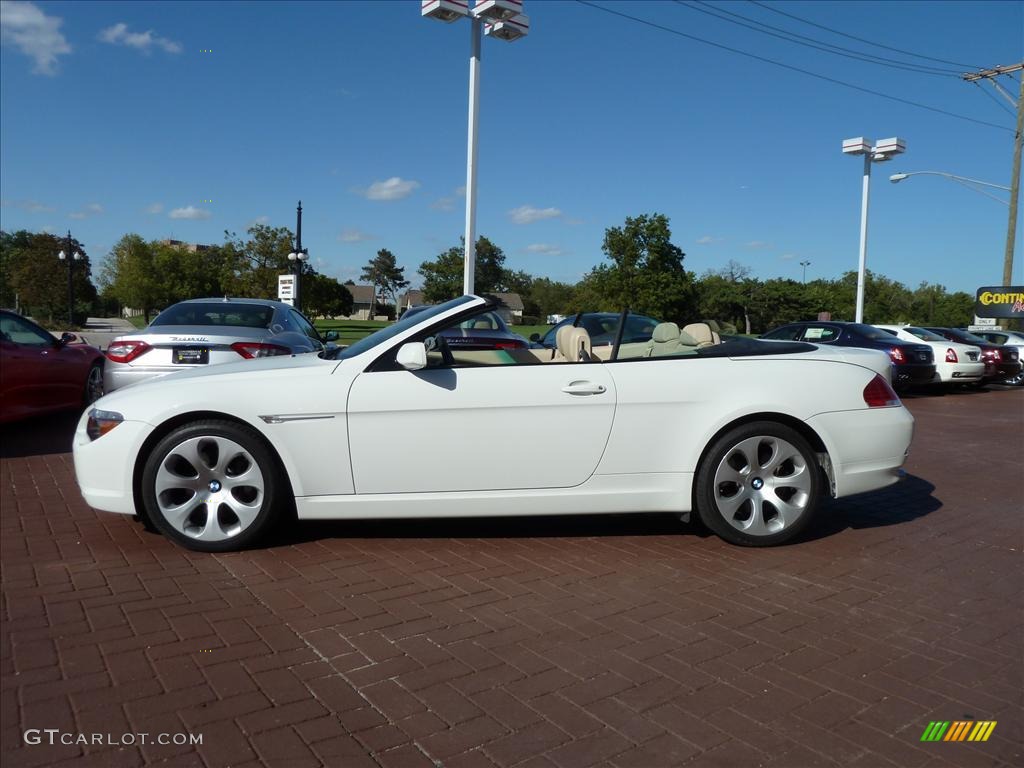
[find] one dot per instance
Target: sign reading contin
(1000, 301)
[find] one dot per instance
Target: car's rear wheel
(212, 486)
(758, 485)
(93, 384)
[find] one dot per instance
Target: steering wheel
(446, 352)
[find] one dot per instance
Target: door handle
(583, 388)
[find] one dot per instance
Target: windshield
(384, 334)
(216, 313)
(922, 334)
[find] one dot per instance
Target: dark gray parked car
(202, 332)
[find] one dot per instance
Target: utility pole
(1011, 227)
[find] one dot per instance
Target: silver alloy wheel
(94, 385)
(209, 488)
(762, 485)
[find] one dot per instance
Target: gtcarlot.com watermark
(55, 736)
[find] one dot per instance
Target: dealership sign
(1000, 301)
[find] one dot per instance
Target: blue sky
(116, 119)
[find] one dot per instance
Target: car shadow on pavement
(907, 500)
(39, 435)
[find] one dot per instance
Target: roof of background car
(233, 300)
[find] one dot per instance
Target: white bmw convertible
(750, 434)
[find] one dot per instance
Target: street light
(504, 20)
(883, 150)
(805, 264)
(963, 180)
(70, 258)
(298, 256)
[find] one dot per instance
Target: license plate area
(190, 356)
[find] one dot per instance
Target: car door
(507, 424)
(36, 376)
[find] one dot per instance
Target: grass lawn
(349, 331)
(526, 330)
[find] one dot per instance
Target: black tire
(758, 498)
(93, 385)
(233, 479)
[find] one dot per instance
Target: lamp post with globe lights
(504, 20)
(881, 151)
(297, 257)
(70, 257)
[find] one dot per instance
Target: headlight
(101, 422)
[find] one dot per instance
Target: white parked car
(955, 363)
(751, 434)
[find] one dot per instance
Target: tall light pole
(297, 257)
(70, 258)
(805, 264)
(882, 150)
(963, 180)
(504, 20)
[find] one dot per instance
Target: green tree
(551, 297)
(442, 277)
(129, 274)
(324, 296)
(383, 271)
(646, 272)
(251, 267)
(36, 280)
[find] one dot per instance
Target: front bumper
(104, 468)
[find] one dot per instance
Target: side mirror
(331, 336)
(412, 356)
(66, 338)
(534, 337)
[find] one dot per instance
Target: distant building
(362, 302)
(411, 299)
(511, 309)
(190, 247)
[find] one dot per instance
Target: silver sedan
(203, 332)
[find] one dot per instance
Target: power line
(836, 50)
(991, 96)
(860, 39)
(790, 67)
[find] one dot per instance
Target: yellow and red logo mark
(958, 730)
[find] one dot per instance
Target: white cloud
(30, 206)
(545, 249)
(527, 214)
(141, 41)
(155, 208)
(788, 256)
(443, 204)
(92, 209)
(190, 212)
(394, 188)
(353, 236)
(35, 34)
(757, 244)
(708, 240)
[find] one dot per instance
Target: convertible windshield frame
(384, 335)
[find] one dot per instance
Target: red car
(40, 374)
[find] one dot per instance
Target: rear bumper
(866, 447)
(908, 375)
(965, 371)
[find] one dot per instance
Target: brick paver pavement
(630, 641)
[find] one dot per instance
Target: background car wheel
(759, 485)
(93, 385)
(212, 486)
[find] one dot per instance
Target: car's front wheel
(212, 486)
(758, 485)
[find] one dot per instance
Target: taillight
(251, 349)
(126, 351)
(993, 355)
(951, 355)
(897, 355)
(878, 394)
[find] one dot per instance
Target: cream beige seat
(573, 345)
(702, 334)
(668, 340)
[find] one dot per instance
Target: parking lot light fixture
(298, 256)
(880, 151)
(504, 20)
(70, 258)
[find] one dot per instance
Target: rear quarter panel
(669, 409)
